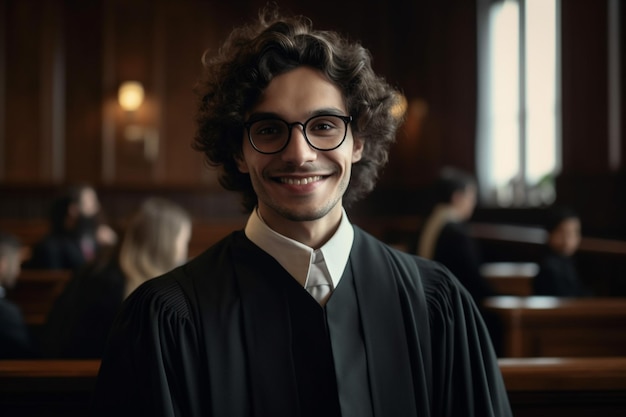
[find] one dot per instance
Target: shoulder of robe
(436, 279)
(172, 291)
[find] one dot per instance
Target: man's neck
(313, 233)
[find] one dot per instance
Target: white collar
(296, 257)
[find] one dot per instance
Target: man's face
(565, 239)
(300, 183)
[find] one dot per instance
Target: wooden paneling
(85, 96)
(23, 91)
(584, 86)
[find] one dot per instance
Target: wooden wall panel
(84, 96)
(183, 41)
(23, 159)
(584, 85)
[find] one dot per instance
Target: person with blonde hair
(15, 336)
(154, 241)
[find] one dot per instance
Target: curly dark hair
(252, 56)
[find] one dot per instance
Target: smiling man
(301, 313)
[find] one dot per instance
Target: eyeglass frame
(346, 120)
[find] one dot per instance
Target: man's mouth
(299, 181)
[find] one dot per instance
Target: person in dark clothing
(15, 338)
(76, 232)
(558, 275)
(301, 313)
(445, 237)
(155, 240)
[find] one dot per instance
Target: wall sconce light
(399, 109)
(130, 95)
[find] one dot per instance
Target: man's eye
(264, 129)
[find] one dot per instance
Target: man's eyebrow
(262, 115)
(271, 115)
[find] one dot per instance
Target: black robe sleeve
(150, 366)
(466, 377)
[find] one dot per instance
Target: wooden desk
(510, 278)
(540, 326)
(571, 387)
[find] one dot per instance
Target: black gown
(230, 333)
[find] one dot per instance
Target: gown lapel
(384, 333)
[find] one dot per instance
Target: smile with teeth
(300, 181)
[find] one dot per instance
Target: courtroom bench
(568, 387)
(47, 387)
(542, 326)
(35, 292)
(572, 387)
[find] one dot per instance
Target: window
(518, 130)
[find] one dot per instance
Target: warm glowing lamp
(399, 109)
(130, 95)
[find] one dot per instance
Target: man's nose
(298, 150)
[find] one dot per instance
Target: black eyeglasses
(323, 132)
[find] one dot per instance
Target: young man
(300, 125)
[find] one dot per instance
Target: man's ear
(241, 164)
(357, 149)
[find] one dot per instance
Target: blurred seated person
(446, 239)
(15, 337)
(76, 233)
(557, 271)
(154, 241)
(444, 236)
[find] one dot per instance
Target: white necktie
(317, 283)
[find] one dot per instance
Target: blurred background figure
(558, 275)
(155, 240)
(445, 237)
(15, 338)
(77, 233)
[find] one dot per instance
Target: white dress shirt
(298, 258)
